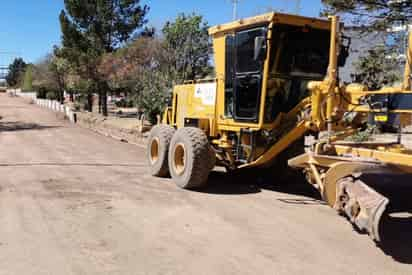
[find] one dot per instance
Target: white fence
(46, 103)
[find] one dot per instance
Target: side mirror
(260, 48)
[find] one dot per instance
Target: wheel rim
(154, 150)
(179, 159)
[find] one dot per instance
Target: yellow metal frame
(325, 102)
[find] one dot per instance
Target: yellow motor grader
(277, 83)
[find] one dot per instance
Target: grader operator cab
(277, 83)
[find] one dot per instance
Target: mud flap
(361, 204)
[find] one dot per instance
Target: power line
(9, 53)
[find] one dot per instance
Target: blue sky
(30, 28)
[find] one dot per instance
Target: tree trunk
(103, 87)
(104, 103)
(90, 102)
(61, 96)
(100, 101)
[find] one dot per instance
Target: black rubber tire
(212, 158)
(163, 134)
(196, 158)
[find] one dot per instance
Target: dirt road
(74, 202)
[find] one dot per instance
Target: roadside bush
(52, 95)
(77, 106)
(45, 93)
(41, 92)
(125, 103)
(153, 94)
(28, 79)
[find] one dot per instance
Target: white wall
(53, 105)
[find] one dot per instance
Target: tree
(60, 70)
(371, 15)
(187, 41)
(16, 70)
(149, 66)
(154, 93)
(91, 29)
(124, 67)
(28, 79)
(373, 19)
(140, 70)
(375, 69)
(51, 74)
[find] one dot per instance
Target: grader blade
(361, 204)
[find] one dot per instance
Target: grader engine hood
(196, 105)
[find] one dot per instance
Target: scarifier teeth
(362, 205)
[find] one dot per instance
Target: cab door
(244, 71)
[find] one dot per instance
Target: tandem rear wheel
(190, 157)
(158, 150)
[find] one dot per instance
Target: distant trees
(51, 75)
(381, 64)
(28, 79)
(107, 47)
(148, 67)
(60, 71)
(187, 41)
(375, 70)
(376, 15)
(16, 72)
(93, 28)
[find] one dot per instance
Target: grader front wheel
(189, 158)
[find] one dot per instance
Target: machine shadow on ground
(255, 180)
(396, 224)
(15, 126)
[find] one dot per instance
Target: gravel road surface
(74, 202)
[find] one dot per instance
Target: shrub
(28, 79)
(125, 103)
(41, 92)
(52, 95)
(153, 94)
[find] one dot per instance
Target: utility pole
(235, 6)
(298, 7)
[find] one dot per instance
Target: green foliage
(41, 92)
(145, 68)
(16, 71)
(91, 29)
(371, 15)
(104, 25)
(47, 93)
(123, 68)
(125, 103)
(52, 74)
(52, 95)
(149, 66)
(375, 69)
(154, 93)
(28, 79)
(60, 69)
(363, 136)
(187, 42)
